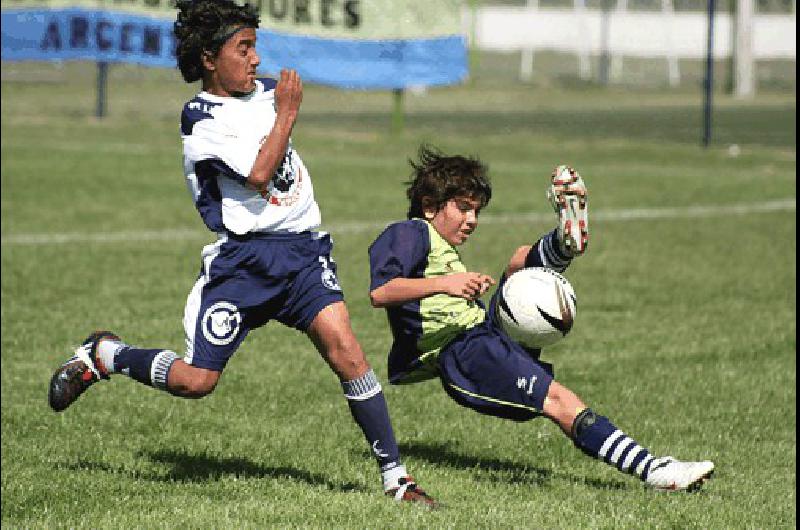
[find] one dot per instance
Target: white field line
(624, 214)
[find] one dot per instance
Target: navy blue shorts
(485, 370)
(247, 281)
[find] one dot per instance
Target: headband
(226, 32)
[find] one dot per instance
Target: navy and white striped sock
(148, 366)
(597, 437)
(546, 253)
(368, 407)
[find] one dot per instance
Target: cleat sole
(569, 198)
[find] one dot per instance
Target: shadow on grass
(498, 470)
(199, 468)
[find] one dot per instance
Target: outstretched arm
(467, 285)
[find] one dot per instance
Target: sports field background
(685, 334)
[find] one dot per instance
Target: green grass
(685, 333)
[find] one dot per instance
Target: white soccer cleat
(568, 197)
(668, 474)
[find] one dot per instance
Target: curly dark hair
(437, 178)
(204, 26)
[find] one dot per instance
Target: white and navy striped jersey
(221, 138)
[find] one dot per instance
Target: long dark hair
(204, 26)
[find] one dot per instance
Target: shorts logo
(329, 280)
(221, 323)
(522, 383)
(328, 276)
(377, 450)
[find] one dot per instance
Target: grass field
(685, 333)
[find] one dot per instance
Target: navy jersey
(420, 328)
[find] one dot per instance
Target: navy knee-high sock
(368, 407)
(596, 436)
(545, 253)
(148, 366)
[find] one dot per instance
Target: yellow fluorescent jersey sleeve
(444, 316)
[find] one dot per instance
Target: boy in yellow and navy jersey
(442, 329)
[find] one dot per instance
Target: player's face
(456, 220)
(233, 70)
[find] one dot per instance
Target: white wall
(638, 34)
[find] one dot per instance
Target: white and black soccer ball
(536, 307)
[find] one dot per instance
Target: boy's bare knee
(191, 382)
(562, 405)
(522, 251)
(201, 387)
(517, 260)
(349, 362)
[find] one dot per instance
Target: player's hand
(288, 94)
(467, 285)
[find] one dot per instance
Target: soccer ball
(536, 307)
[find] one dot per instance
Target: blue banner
(112, 36)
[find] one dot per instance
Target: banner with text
(376, 44)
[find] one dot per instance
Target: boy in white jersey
(441, 328)
(252, 189)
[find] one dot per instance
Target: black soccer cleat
(81, 371)
(408, 491)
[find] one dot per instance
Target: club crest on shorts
(330, 281)
(221, 323)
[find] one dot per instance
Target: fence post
(474, 56)
(616, 57)
(709, 82)
(673, 73)
(102, 85)
(398, 112)
(743, 49)
(526, 54)
(584, 71)
(605, 42)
